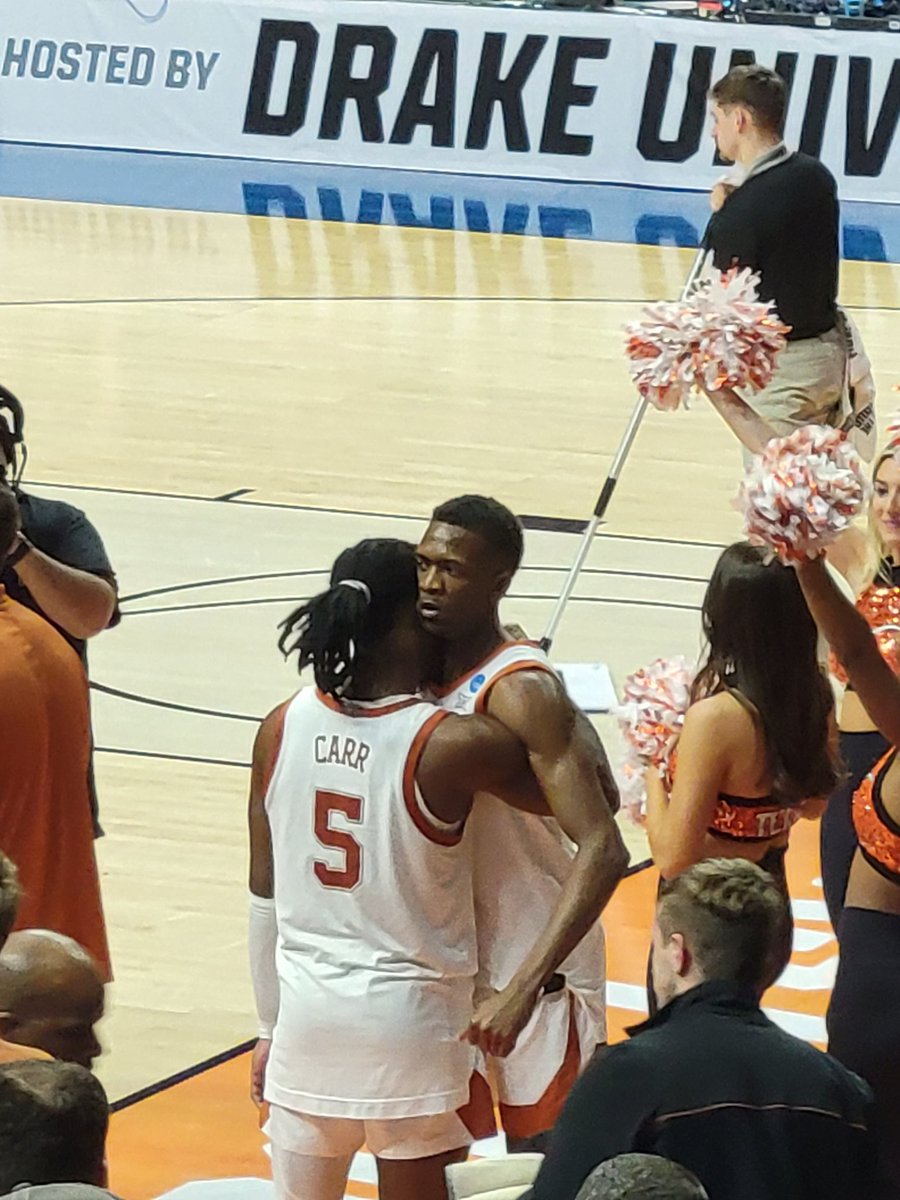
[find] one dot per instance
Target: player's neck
(464, 655)
(395, 680)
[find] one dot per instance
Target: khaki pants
(808, 388)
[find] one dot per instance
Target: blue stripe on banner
(362, 195)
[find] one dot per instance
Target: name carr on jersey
(343, 751)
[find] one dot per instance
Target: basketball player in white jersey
(362, 917)
(542, 1010)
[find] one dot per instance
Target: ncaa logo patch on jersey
(477, 684)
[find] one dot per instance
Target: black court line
(261, 601)
(234, 495)
(636, 868)
(187, 587)
(312, 571)
(554, 524)
(188, 758)
(256, 601)
(107, 301)
(347, 512)
(171, 704)
(97, 301)
(170, 1081)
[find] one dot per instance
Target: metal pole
(606, 492)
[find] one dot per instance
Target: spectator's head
(641, 1177)
(471, 550)
(53, 1122)
(51, 996)
(748, 105)
(721, 920)
(9, 519)
(9, 897)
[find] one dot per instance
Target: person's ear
(680, 955)
(501, 584)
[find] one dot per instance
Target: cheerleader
(756, 744)
(863, 1017)
(870, 563)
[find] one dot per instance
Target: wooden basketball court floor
(233, 400)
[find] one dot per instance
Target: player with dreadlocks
(362, 924)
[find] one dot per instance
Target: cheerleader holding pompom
(755, 747)
(862, 1019)
(870, 563)
(755, 744)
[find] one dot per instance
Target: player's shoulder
(530, 699)
(271, 727)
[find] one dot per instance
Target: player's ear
(501, 584)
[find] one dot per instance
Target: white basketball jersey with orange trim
(521, 860)
(376, 931)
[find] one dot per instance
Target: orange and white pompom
(802, 492)
(720, 336)
(651, 715)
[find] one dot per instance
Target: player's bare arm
(265, 748)
(574, 775)
(262, 905)
(473, 754)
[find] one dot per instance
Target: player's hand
(258, 1066)
(498, 1021)
(719, 194)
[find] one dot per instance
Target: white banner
(600, 97)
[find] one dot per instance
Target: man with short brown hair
(709, 1081)
(779, 216)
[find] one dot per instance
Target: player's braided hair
(370, 582)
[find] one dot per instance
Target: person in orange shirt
(45, 818)
(9, 904)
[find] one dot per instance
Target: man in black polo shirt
(710, 1082)
(780, 217)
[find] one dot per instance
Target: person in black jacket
(779, 216)
(710, 1082)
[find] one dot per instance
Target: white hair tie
(358, 585)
